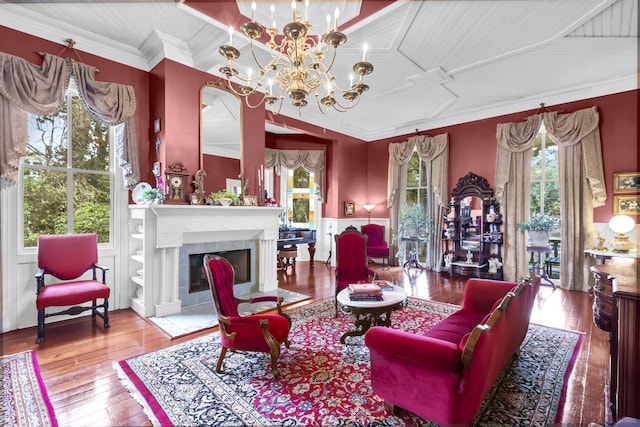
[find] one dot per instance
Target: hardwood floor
(76, 356)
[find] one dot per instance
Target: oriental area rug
(326, 383)
(24, 398)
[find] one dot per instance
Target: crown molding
(57, 32)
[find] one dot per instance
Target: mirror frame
(221, 86)
(472, 185)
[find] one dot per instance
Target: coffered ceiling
(436, 62)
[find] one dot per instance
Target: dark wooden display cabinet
(472, 239)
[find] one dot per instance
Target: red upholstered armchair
(260, 332)
(376, 245)
(67, 257)
(351, 259)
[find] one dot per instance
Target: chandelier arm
(230, 87)
(325, 112)
(255, 58)
(279, 107)
(246, 101)
(333, 58)
(348, 107)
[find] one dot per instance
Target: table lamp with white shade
(621, 224)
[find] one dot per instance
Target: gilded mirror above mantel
(220, 136)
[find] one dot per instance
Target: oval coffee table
(370, 313)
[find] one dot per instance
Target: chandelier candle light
(296, 64)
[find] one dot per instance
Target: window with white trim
(545, 178)
(66, 174)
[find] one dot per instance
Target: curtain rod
(70, 46)
(544, 109)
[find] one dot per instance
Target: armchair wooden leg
(40, 326)
(106, 313)
(274, 347)
(223, 351)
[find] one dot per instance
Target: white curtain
(434, 151)
(310, 160)
(581, 189)
(512, 190)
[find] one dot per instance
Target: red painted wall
(472, 145)
(338, 170)
(176, 96)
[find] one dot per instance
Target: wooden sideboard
(616, 309)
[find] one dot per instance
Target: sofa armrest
(481, 294)
(426, 351)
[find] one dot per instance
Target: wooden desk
(616, 309)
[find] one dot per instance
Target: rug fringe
(135, 393)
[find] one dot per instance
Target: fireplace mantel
(158, 231)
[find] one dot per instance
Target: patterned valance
(40, 89)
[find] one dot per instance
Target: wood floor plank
(77, 355)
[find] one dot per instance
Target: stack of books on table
(365, 292)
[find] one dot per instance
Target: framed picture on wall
(349, 208)
(626, 205)
(626, 182)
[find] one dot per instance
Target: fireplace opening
(239, 259)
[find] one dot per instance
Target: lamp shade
(369, 207)
(622, 224)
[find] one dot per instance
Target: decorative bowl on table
(225, 201)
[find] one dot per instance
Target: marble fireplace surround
(175, 229)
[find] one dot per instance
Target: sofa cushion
(454, 327)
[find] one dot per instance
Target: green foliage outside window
(545, 184)
(67, 187)
(416, 192)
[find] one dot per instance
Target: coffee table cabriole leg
(363, 323)
(367, 316)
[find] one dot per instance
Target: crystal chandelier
(297, 64)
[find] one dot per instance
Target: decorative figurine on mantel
(198, 197)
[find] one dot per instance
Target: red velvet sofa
(444, 375)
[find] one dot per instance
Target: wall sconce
(369, 207)
(621, 224)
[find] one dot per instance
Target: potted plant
(152, 195)
(224, 198)
(538, 228)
